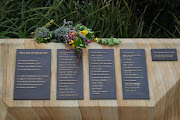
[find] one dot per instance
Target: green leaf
(77, 42)
(116, 42)
(100, 40)
(81, 45)
(111, 44)
(106, 41)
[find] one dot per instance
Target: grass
(106, 17)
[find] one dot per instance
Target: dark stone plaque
(69, 75)
(32, 75)
(164, 55)
(102, 74)
(134, 74)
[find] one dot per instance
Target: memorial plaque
(32, 74)
(164, 55)
(69, 75)
(134, 74)
(102, 74)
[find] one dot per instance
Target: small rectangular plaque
(32, 74)
(102, 74)
(164, 55)
(134, 74)
(69, 75)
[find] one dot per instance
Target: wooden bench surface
(163, 79)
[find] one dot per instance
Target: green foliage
(60, 33)
(79, 43)
(156, 16)
(42, 40)
(18, 19)
(176, 32)
(107, 18)
(111, 42)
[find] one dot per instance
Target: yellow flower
(51, 21)
(95, 39)
(84, 32)
(71, 42)
(73, 45)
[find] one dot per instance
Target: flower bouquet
(78, 36)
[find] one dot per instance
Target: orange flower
(73, 45)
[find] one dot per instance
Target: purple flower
(67, 36)
(85, 39)
(88, 41)
(74, 29)
(64, 21)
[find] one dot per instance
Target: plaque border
(49, 95)
(141, 96)
(82, 97)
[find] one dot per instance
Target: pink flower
(67, 36)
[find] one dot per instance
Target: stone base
(163, 78)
